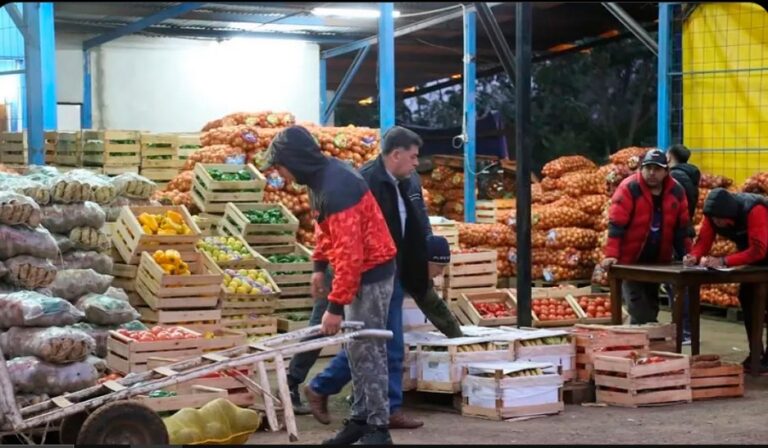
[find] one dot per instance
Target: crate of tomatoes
(129, 350)
(591, 308)
(553, 312)
(489, 309)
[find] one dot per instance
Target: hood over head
(297, 150)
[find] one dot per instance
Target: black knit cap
(721, 204)
(438, 250)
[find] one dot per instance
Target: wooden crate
(467, 303)
(716, 380)
(288, 274)
(285, 325)
(493, 211)
(69, 149)
(111, 148)
(262, 303)
(162, 291)
(234, 222)
(494, 398)
(440, 363)
(212, 196)
(256, 260)
(592, 340)
(160, 151)
(162, 175)
(13, 148)
(50, 138)
(187, 144)
(116, 170)
(197, 397)
(446, 228)
(470, 272)
(124, 355)
(223, 339)
(130, 240)
(562, 356)
(198, 320)
(582, 313)
(250, 324)
(621, 382)
(661, 337)
(124, 276)
(537, 322)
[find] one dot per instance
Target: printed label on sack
(548, 275)
(250, 137)
(275, 181)
(552, 236)
(235, 159)
(368, 140)
(512, 256)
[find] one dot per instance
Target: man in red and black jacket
(647, 221)
(352, 236)
(743, 219)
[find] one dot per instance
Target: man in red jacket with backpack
(647, 220)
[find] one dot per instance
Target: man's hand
(689, 260)
(331, 324)
(608, 262)
(713, 262)
(317, 289)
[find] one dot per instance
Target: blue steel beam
(86, 117)
(345, 81)
(386, 67)
(12, 72)
(323, 89)
(40, 60)
(15, 15)
(402, 31)
(470, 114)
(663, 131)
(139, 25)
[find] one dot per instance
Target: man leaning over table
(647, 221)
(743, 219)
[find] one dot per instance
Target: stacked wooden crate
(69, 149)
(493, 211)
(447, 229)
(159, 157)
(293, 278)
(469, 308)
(712, 378)
(470, 271)
(599, 340)
(116, 152)
(236, 223)
(187, 144)
(211, 196)
(13, 148)
(126, 355)
(50, 138)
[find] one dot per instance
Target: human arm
(757, 233)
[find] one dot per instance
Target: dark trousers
(746, 297)
(642, 300)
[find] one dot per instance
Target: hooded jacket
(688, 176)
(630, 215)
(350, 231)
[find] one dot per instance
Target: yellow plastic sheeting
(725, 115)
(217, 423)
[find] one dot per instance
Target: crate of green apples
(231, 252)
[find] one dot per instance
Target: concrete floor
(727, 421)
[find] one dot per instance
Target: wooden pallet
(717, 380)
(212, 196)
(160, 151)
(234, 222)
(493, 211)
(126, 355)
(467, 303)
(162, 291)
(592, 340)
(13, 148)
(130, 240)
(620, 382)
(110, 148)
(69, 149)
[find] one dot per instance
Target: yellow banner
(725, 88)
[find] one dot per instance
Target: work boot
(318, 405)
(376, 436)
(352, 431)
(398, 420)
(299, 408)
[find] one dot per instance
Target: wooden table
(692, 279)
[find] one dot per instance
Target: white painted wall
(177, 85)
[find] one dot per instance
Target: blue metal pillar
(40, 60)
(386, 67)
(323, 90)
(663, 101)
(86, 117)
(470, 115)
(21, 121)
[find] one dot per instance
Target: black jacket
(688, 177)
(412, 247)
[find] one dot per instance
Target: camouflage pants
(368, 357)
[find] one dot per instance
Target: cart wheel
(70, 427)
(123, 423)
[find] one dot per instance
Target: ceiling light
(355, 13)
(366, 101)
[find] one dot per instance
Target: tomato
(544, 317)
(600, 309)
(591, 309)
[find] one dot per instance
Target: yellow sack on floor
(217, 423)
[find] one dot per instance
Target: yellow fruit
(174, 217)
(231, 290)
(242, 290)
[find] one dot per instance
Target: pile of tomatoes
(159, 333)
(492, 310)
(553, 309)
(595, 306)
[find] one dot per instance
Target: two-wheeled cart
(106, 415)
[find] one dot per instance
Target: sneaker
(349, 434)
(686, 339)
(376, 436)
(299, 408)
